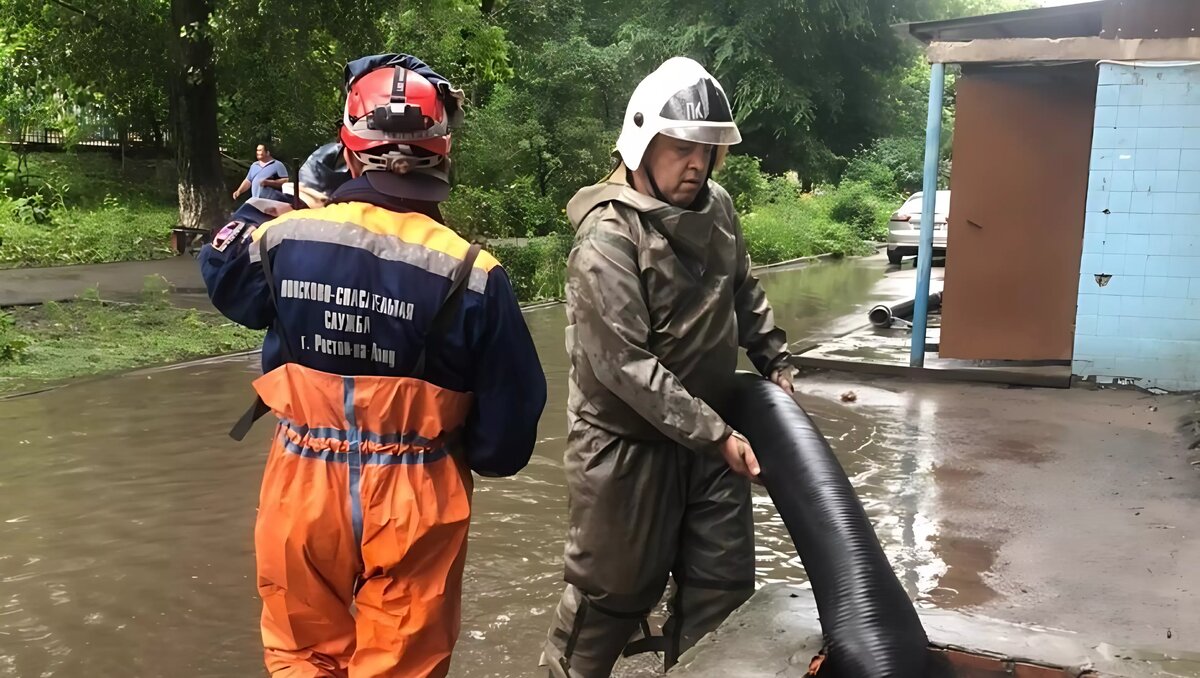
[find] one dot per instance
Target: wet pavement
(121, 281)
(1068, 509)
(776, 635)
(126, 514)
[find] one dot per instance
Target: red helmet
(394, 106)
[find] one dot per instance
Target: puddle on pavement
(824, 301)
(126, 514)
(1021, 451)
(962, 584)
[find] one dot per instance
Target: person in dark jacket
(660, 296)
(321, 174)
(397, 362)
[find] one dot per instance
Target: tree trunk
(194, 116)
(542, 173)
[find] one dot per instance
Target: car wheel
(895, 257)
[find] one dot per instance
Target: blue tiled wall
(1143, 229)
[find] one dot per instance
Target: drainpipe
(933, 143)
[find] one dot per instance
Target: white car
(904, 227)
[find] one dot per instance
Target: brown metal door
(1022, 145)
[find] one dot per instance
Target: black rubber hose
(881, 315)
(871, 628)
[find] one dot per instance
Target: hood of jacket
(688, 230)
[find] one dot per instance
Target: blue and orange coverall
(366, 498)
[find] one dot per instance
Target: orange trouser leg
(414, 546)
(307, 566)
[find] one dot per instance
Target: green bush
(84, 208)
(12, 183)
(782, 188)
(743, 178)
(832, 237)
(795, 225)
(893, 166)
(859, 206)
(781, 222)
(517, 210)
(93, 176)
(32, 209)
(33, 198)
(865, 169)
(537, 267)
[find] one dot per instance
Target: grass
(87, 236)
(91, 210)
(100, 212)
(57, 342)
(90, 177)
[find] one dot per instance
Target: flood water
(126, 514)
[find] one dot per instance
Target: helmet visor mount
(401, 160)
(398, 118)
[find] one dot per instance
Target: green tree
(105, 57)
(24, 97)
(456, 38)
(534, 140)
(814, 83)
(138, 62)
(805, 77)
(280, 68)
(194, 115)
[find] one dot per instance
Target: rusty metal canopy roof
(1069, 21)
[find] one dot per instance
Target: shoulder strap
(448, 310)
(265, 255)
(258, 408)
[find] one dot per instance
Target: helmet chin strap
(654, 186)
(712, 166)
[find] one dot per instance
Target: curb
(819, 258)
(538, 305)
(802, 261)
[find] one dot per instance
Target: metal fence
(92, 129)
(105, 138)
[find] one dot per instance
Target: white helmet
(680, 100)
